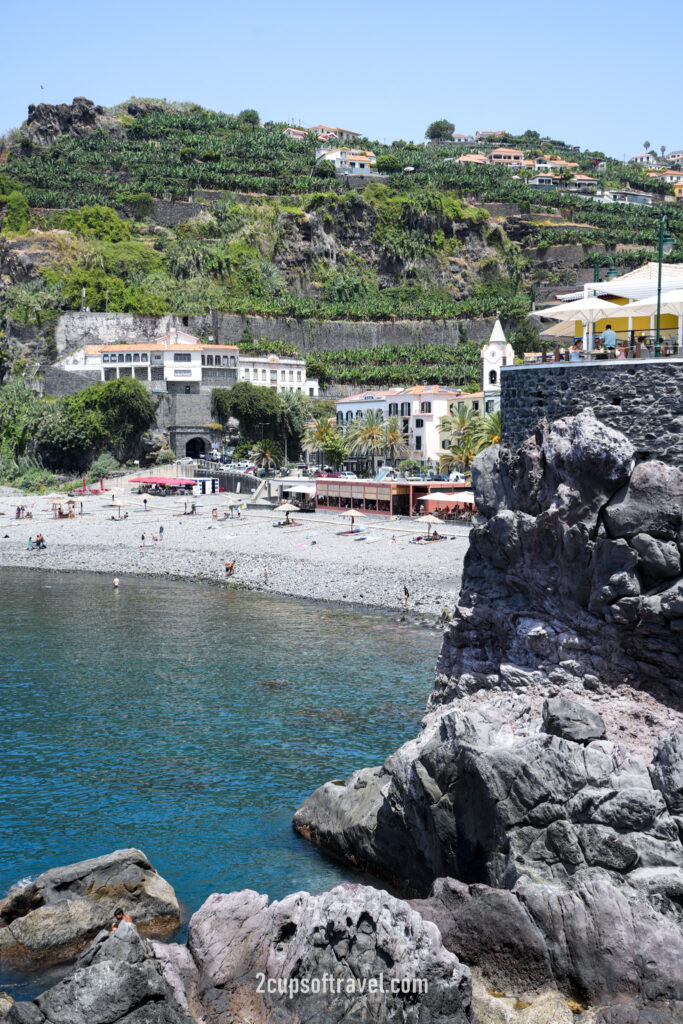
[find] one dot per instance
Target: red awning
(163, 481)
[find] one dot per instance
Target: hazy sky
(595, 74)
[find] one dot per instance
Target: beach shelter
(671, 305)
(287, 507)
(430, 520)
(352, 513)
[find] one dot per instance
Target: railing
(627, 347)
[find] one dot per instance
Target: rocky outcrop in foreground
(547, 778)
(53, 917)
(351, 954)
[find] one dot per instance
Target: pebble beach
(313, 560)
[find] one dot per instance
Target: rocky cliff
(538, 812)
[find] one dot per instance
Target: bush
(388, 163)
(18, 215)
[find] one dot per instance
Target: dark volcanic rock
(53, 917)
(590, 942)
(352, 934)
(472, 799)
(572, 721)
(46, 120)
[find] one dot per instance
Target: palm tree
(487, 432)
(663, 150)
(646, 147)
(317, 436)
(267, 453)
(458, 425)
(367, 436)
(396, 442)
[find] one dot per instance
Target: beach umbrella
(671, 305)
(588, 310)
(567, 329)
(430, 520)
(352, 513)
(287, 507)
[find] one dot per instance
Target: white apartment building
(280, 372)
(419, 409)
(349, 161)
(175, 363)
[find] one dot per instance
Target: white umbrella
(563, 330)
(353, 512)
(589, 310)
(672, 304)
(287, 506)
(429, 519)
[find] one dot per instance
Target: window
(475, 407)
(136, 357)
(121, 357)
(209, 360)
(143, 357)
(445, 444)
(225, 361)
(182, 373)
(426, 407)
(263, 374)
(282, 375)
(418, 444)
(493, 377)
(349, 415)
(298, 374)
(461, 406)
(310, 392)
(419, 423)
(405, 409)
(129, 358)
(340, 417)
(393, 408)
(233, 361)
(105, 357)
(245, 373)
(203, 359)
(291, 374)
(182, 357)
(489, 406)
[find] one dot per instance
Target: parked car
(456, 478)
(348, 476)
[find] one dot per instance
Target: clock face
(490, 354)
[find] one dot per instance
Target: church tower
(494, 355)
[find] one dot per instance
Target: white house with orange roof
(176, 363)
(419, 410)
(343, 134)
(486, 133)
(349, 161)
(470, 158)
(644, 159)
(507, 156)
(298, 134)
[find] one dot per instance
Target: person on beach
(229, 568)
(119, 916)
(144, 502)
(406, 595)
(161, 533)
(30, 544)
(265, 574)
(142, 540)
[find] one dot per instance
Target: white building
(175, 363)
(419, 410)
(498, 352)
(644, 159)
(279, 372)
(624, 195)
(349, 161)
(343, 134)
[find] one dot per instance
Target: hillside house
(581, 183)
(279, 372)
(678, 193)
(349, 161)
(624, 195)
(486, 133)
(644, 160)
(295, 133)
(508, 157)
(544, 181)
(342, 134)
(675, 156)
(668, 177)
(463, 140)
(471, 158)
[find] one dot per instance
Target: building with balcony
(280, 372)
(507, 156)
(176, 363)
(349, 161)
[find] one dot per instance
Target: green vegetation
(17, 216)
(466, 435)
(42, 436)
(442, 129)
(389, 365)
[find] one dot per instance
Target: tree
(18, 215)
(318, 435)
(367, 436)
(324, 169)
(487, 431)
(388, 163)
(267, 453)
(258, 409)
(662, 150)
(646, 147)
(335, 448)
(293, 420)
(396, 441)
(457, 430)
(125, 410)
(249, 116)
(442, 129)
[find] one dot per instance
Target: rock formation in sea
(535, 824)
(54, 916)
(537, 815)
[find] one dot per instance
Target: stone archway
(195, 447)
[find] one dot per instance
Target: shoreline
(312, 561)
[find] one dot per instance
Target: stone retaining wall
(641, 398)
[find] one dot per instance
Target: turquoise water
(189, 721)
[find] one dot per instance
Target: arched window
(203, 360)
(493, 377)
(349, 415)
(232, 361)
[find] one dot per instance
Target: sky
(594, 74)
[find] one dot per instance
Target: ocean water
(189, 721)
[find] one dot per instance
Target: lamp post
(598, 262)
(666, 244)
